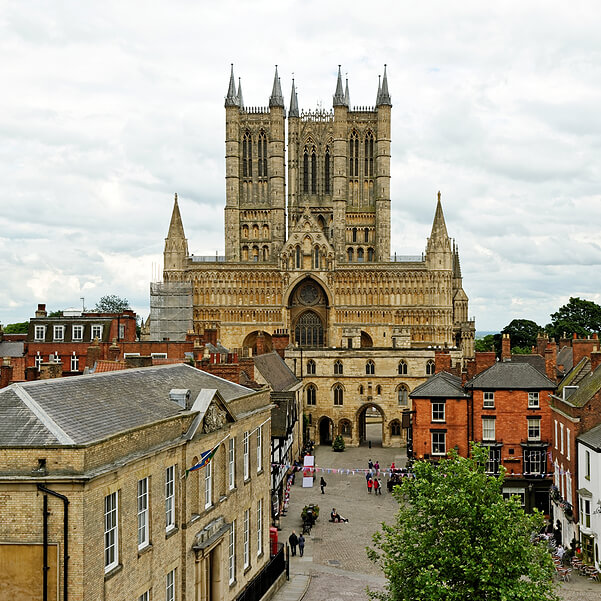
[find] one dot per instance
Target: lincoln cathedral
(308, 269)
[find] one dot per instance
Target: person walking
(370, 483)
(376, 486)
(293, 540)
(322, 484)
(301, 545)
(370, 465)
(377, 467)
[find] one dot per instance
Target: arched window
(255, 231)
(309, 330)
(306, 171)
(255, 254)
(402, 370)
(430, 368)
(354, 234)
(369, 155)
(265, 253)
(370, 255)
(354, 155)
(378, 390)
(395, 428)
(316, 257)
(313, 171)
(326, 170)
(311, 394)
(361, 389)
(247, 164)
(359, 255)
(338, 368)
(350, 254)
(297, 257)
(265, 231)
(403, 394)
(366, 234)
(311, 367)
(262, 152)
(345, 427)
(245, 253)
(370, 368)
(245, 231)
(338, 395)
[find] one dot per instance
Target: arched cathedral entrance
(308, 306)
(370, 424)
(325, 431)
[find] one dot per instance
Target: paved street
(335, 565)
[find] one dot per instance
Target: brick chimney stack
(51, 370)
(595, 358)
(482, 362)
(93, 354)
(551, 361)
(114, 351)
(41, 312)
(442, 360)
(582, 347)
(505, 348)
(6, 373)
(541, 343)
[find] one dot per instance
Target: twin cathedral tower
(307, 238)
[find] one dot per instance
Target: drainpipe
(65, 501)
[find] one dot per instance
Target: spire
(176, 227)
(240, 99)
(439, 227)
(347, 100)
(276, 98)
(384, 96)
(379, 90)
(232, 98)
(293, 112)
(339, 99)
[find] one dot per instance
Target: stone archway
(308, 307)
(370, 425)
(326, 431)
(264, 345)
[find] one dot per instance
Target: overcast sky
(108, 108)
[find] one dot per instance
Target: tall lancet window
(262, 154)
(326, 171)
(313, 170)
(306, 171)
(354, 155)
(247, 165)
(369, 155)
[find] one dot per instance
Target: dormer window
(40, 333)
(97, 332)
(58, 333)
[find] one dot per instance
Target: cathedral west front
(308, 268)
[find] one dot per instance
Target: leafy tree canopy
(112, 303)
(55, 314)
(486, 344)
(16, 328)
(523, 334)
(579, 316)
(456, 538)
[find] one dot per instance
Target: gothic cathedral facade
(308, 265)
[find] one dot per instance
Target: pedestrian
(301, 545)
(370, 465)
(370, 483)
(293, 540)
(377, 467)
(377, 486)
(322, 484)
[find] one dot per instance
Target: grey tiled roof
(511, 375)
(565, 357)
(441, 385)
(11, 349)
(592, 438)
(275, 371)
(83, 409)
(537, 361)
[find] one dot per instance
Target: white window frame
(246, 456)
(533, 400)
(54, 358)
(111, 531)
(488, 428)
(39, 333)
(532, 422)
(170, 498)
(436, 443)
(556, 435)
(585, 512)
(208, 485)
(568, 496)
(515, 492)
(259, 449)
(232, 463)
(568, 443)
(143, 513)
(561, 438)
(58, 333)
(259, 527)
(587, 464)
(77, 333)
(126, 355)
(231, 553)
(95, 328)
(556, 474)
(38, 360)
(488, 399)
(246, 538)
(121, 331)
(74, 362)
(170, 585)
(438, 411)
(158, 355)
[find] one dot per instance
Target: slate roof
(275, 371)
(510, 375)
(11, 349)
(588, 386)
(537, 361)
(565, 357)
(88, 408)
(441, 385)
(592, 438)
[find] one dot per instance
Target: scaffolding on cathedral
(170, 310)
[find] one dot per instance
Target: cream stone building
(92, 487)
(308, 265)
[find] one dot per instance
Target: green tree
(486, 344)
(17, 328)
(523, 334)
(455, 538)
(112, 303)
(579, 316)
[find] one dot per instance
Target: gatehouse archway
(370, 425)
(325, 431)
